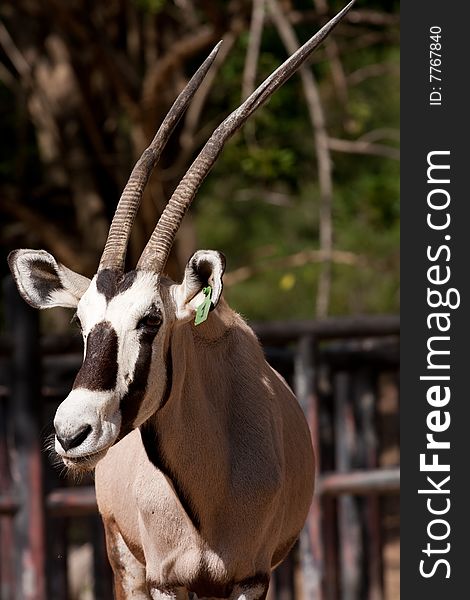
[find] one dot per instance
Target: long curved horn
(156, 251)
(114, 252)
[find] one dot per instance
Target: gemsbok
(204, 461)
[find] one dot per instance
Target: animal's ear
(204, 268)
(43, 282)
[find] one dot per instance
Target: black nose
(74, 440)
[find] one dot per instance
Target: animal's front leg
(255, 588)
(129, 573)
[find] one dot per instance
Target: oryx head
(127, 318)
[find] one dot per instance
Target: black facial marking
(132, 399)
(110, 282)
(106, 283)
(100, 367)
(150, 323)
(45, 278)
(160, 461)
(127, 281)
(169, 378)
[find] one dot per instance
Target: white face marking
(100, 409)
(124, 312)
(82, 407)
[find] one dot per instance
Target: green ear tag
(203, 309)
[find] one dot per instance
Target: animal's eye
(150, 321)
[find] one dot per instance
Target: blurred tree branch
(317, 117)
(299, 259)
(252, 52)
(363, 147)
(89, 83)
(332, 53)
(374, 70)
(357, 16)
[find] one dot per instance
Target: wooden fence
(344, 372)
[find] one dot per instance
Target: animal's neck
(189, 438)
(198, 436)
